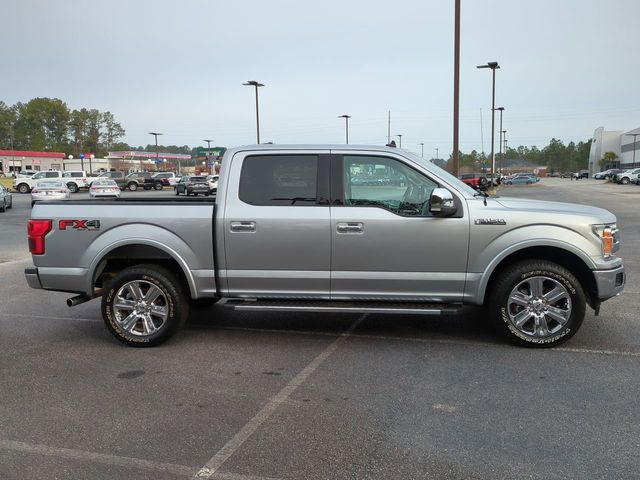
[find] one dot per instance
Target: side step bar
(405, 308)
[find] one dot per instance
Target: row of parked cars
(624, 177)
(480, 181)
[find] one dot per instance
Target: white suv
(75, 180)
(627, 176)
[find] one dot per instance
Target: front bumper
(610, 282)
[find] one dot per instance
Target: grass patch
(7, 182)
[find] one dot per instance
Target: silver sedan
(6, 200)
(50, 190)
(104, 187)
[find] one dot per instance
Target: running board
(406, 308)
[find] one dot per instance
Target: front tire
(144, 305)
(536, 303)
(3, 207)
(624, 181)
(157, 186)
(73, 188)
(132, 186)
(24, 188)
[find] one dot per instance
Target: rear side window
(272, 180)
(51, 174)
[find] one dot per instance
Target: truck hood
(541, 206)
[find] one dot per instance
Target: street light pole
(493, 66)
(256, 85)
(456, 90)
(346, 123)
(155, 134)
(500, 109)
(504, 141)
(208, 151)
(399, 140)
(634, 135)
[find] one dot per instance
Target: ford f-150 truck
(292, 231)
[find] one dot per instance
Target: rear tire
(144, 305)
(624, 181)
(157, 186)
(132, 186)
(536, 303)
(24, 188)
(73, 188)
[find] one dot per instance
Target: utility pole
(208, 152)
(500, 109)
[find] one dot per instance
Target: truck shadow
(471, 325)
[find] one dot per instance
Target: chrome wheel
(140, 308)
(539, 306)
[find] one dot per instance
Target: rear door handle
(243, 226)
(350, 227)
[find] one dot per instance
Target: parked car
(522, 178)
(567, 175)
(25, 174)
(50, 190)
(192, 185)
(104, 187)
(121, 180)
(6, 199)
(627, 176)
(474, 180)
(553, 174)
(606, 174)
(212, 180)
(74, 179)
(271, 244)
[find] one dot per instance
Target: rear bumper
(610, 282)
(33, 280)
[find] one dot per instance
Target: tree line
(48, 124)
(556, 156)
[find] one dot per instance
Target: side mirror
(441, 203)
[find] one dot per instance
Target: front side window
(39, 175)
(272, 180)
(386, 183)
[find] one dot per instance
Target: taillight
(36, 231)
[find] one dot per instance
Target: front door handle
(350, 227)
(243, 226)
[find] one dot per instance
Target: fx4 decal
(79, 224)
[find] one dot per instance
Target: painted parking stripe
(214, 464)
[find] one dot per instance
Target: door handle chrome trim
(243, 227)
(350, 227)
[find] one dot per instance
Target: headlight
(608, 235)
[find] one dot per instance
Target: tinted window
(279, 180)
(72, 174)
(386, 183)
(51, 174)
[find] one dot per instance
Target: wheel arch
(120, 255)
(553, 253)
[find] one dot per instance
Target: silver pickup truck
(330, 229)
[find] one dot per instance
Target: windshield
(443, 174)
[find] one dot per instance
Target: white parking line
(214, 464)
(80, 455)
(117, 460)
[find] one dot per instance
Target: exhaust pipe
(73, 301)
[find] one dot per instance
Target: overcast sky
(178, 66)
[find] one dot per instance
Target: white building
(617, 141)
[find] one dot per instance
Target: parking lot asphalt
(251, 396)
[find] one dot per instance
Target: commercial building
(624, 144)
(17, 160)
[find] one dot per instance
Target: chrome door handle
(243, 226)
(350, 227)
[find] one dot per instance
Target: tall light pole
(399, 140)
(253, 83)
(155, 134)
(504, 141)
(456, 90)
(634, 135)
(437, 153)
(422, 148)
(208, 151)
(500, 109)
(346, 124)
(493, 66)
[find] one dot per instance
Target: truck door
(385, 243)
(276, 225)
